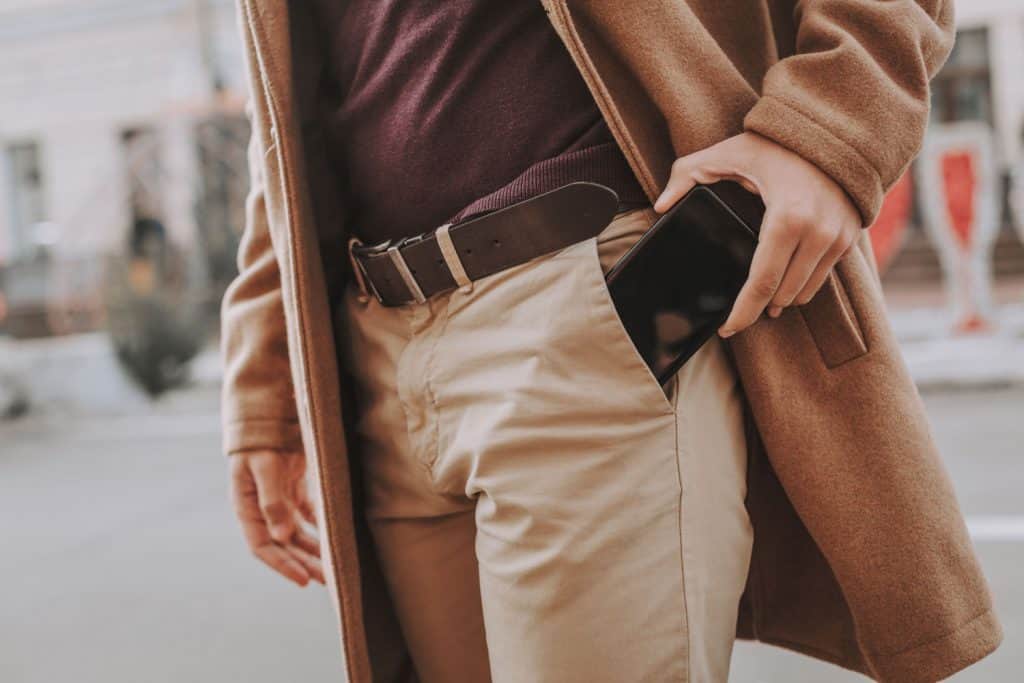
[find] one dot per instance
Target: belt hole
(497, 243)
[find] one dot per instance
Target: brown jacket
(861, 556)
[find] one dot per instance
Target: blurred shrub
(155, 309)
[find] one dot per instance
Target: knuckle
(836, 251)
(826, 236)
(807, 295)
(777, 226)
(763, 288)
(799, 220)
(844, 239)
(848, 241)
(274, 510)
(681, 165)
(782, 299)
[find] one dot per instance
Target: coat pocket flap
(833, 324)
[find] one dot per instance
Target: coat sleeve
(854, 96)
(258, 409)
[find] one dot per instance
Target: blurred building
(114, 114)
(123, 115)
(982, 81)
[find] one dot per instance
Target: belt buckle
(362, 274)
(392, 249)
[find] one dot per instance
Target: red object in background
(960, 180)
(889, 229)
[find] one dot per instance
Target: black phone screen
(676, 286)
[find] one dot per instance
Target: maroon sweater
(450, 108)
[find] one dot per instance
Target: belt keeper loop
(451, 258)
(406, 274)
(357, 271)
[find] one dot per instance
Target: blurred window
(27, 196)
(962, 90)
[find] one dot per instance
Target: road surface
(121, 561)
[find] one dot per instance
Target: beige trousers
(541, 509)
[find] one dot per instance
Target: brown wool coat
(861, 556)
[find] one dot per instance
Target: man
(503, 490)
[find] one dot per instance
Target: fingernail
(774, 311)
(725, 333)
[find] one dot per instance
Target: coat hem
(941, 657)
(934, 660)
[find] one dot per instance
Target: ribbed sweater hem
(602, 163)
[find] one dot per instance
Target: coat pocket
(832, 322)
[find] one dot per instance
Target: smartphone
(675, 287)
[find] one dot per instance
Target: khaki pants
(542, 511)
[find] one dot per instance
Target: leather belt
(414, 268)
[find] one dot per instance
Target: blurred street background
(122, 183)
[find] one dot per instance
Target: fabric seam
(930, 641)
(432, 392)
(687, 631)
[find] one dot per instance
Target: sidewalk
(80, 374)
(941, 360)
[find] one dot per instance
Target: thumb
(273, 491)
(688, 171)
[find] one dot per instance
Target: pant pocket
(608, 323)
(530, 338)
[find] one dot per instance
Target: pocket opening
(604, 308)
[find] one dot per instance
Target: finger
(307, 512)
(283, 563)
(771, 258)
(817, 278)
(307, 542)
(809, 253)
(275, 504)
(242, 485)
(301, 494)
(246, 503)
(310, 564)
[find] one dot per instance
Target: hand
(809, 222)
(271, 499)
